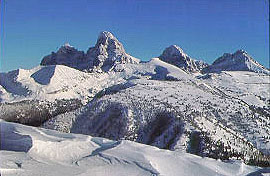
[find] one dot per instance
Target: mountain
(176, 56)
(238, 61)
(215, 114)
(107, 52)
(69, 56)
(29, 151)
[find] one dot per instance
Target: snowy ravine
(171, 102)
(31, 151)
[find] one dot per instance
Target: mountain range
(174, 102)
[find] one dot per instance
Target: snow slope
(50, 83)
(251, 87)
(55, 82)
(35, 151)
(32, 96)
(154, 69)
(61, 82)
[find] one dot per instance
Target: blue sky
(204, 29)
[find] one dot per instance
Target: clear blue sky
(204, 29)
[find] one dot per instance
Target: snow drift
(32, 151)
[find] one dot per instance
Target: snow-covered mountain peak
(107, 52)
(67, 55)
(240, 51)
(67, 45)
(173, 51)
(106, 35)
(238, 61)
(107, 40)
(67, 48)
(176, 56)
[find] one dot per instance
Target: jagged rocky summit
(107, 52)
(175, 55)
(238, 61)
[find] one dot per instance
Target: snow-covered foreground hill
(32, 151)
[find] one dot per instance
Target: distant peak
(175, 49)
(66, 48)
(106, 34)
(240, 52)
(238, 61)
(106, 38)
(175, 55)
(67, 45)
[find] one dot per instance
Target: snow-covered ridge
(29, 151)
(45, 91)
(50, 83)
(238, 61)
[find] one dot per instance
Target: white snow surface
(61, 82)
(31, 151)
(251, 87)
(51, 83)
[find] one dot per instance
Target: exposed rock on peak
(175, 50)
(106, 35)
(176, 56)
(107, 52)
(107, 40)
(69, 56)
(238, 61)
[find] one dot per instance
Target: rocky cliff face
(69, 56)
(107, 52)
(238, 61)
(176, 56)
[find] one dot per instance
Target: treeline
(34, 112)
(202, 145)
